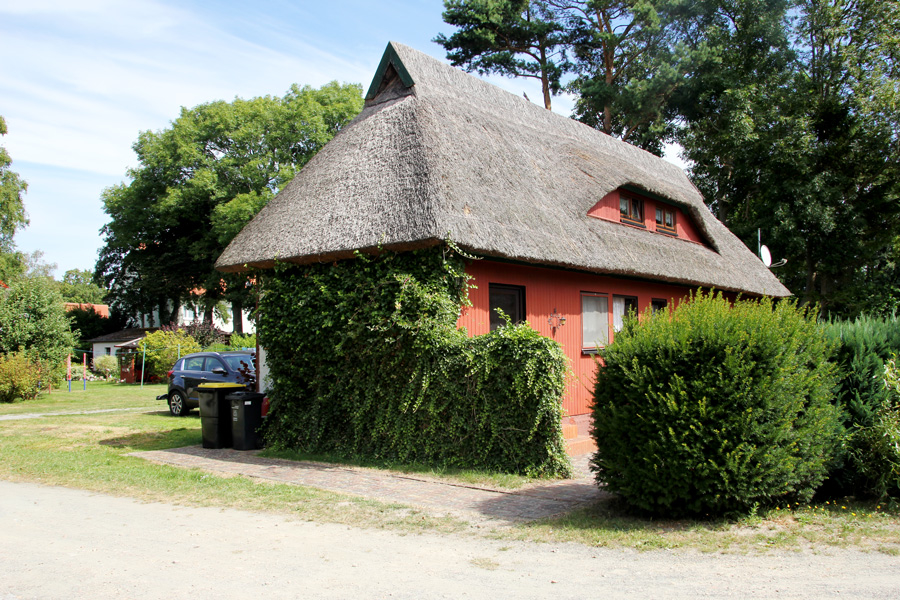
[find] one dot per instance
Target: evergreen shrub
(20, 377)
(864, 345)
(875, 449)
(715, 408)
(366, 361)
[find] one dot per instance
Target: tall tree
(12, 213)
(78, 285)
(33, 320)
(623, 57)
(516, 38)
(809, 153)
(629, 63)
(198, 183)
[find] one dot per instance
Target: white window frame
(619, 310)
(594, 329)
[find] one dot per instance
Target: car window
(238, 361)
(179, 365)
(214, 363)
(194, 363)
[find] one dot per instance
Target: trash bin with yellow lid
(215, 413)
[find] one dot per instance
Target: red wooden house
(575, 227)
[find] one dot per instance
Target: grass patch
(90, 451)
(849, 524)
(483, 479)
(100, 395)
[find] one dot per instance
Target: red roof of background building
(100, 309)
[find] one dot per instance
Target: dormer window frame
(666, 219)
(631, 209)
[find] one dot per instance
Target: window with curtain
(622, 305)
(594, 321)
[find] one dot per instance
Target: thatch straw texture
(452, 156)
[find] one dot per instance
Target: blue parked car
(192, 370)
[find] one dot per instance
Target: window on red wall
(631, 210)
(623, 305)
(594, 321)
(665, 219)
(508, 298)
(658, 304)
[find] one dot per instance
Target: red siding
(547, 290)
(686, 229)
(608, 208)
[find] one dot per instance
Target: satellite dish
(765, 255)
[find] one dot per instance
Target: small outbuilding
(574, 228)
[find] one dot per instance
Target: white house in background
(114, 343)
(188, 313)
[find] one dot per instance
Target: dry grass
(858, 525)
(90, 451)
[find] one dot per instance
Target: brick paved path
(468, 501)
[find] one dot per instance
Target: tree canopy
(33, 320)
(517, 38)
(801, 142)
(198, 183)
(788, 112)
(77, 285)
(12, 212)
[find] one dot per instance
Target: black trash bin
(246, 418)
(215, 413)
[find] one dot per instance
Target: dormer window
(631, 210)
(649, 212)
(665, 219)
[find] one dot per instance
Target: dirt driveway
(63, 543)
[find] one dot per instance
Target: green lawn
(100, 395)
(90, 451)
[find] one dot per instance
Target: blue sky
(80, 80)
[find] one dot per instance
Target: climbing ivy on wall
(365, 360)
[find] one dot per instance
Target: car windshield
(239, 361)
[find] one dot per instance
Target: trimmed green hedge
(365, 360)
(864, 347)
(713, 408)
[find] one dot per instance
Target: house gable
(391, 73)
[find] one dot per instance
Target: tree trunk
(237, 316)
(545, 81)
(810, 277)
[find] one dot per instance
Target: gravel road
(63, 543)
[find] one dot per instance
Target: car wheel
(177, 404)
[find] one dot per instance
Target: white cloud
(130, 67)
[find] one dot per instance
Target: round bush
(20, 377)
(164, 348)
(107, 364)
(715, 408)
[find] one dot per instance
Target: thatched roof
(437, 153)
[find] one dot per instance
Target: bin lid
(221, 385)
